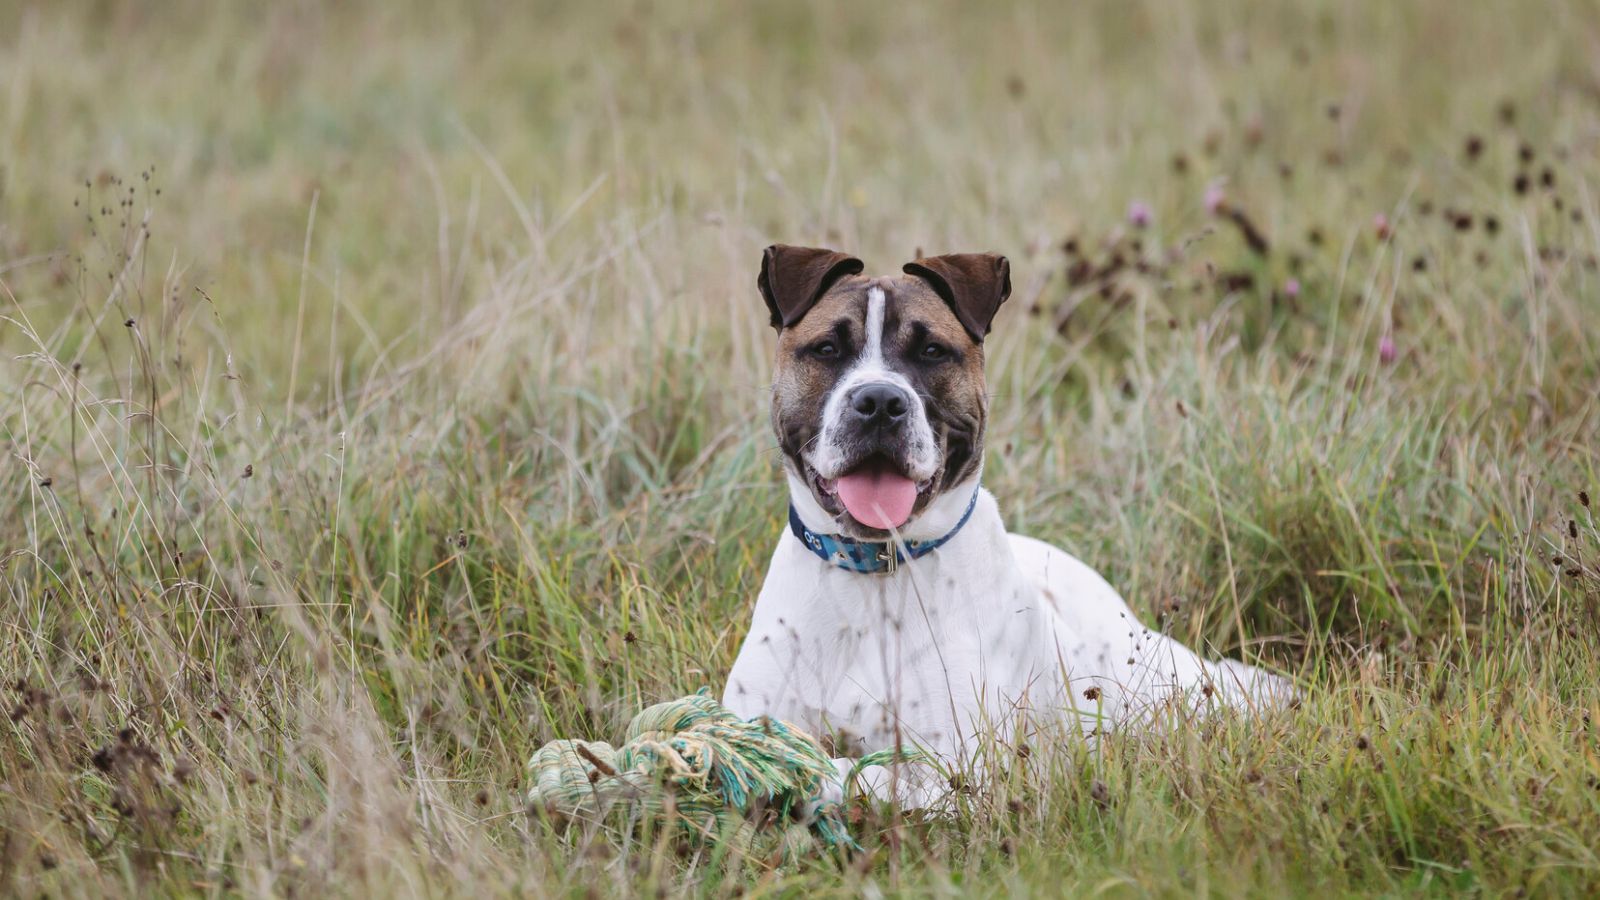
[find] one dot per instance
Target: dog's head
(878, 397)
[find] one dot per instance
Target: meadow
(383, 394)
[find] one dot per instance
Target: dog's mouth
(876, 492)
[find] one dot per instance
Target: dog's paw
(1257, 688)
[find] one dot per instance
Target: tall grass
(383, 395)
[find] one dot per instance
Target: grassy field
(383, 394)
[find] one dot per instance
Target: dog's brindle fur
(978, 636)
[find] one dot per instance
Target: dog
(897, 612)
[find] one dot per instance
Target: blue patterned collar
(871, 557)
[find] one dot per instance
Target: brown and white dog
(898, 612)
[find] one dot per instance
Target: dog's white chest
(883, 660)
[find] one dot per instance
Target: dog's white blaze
(872, 357)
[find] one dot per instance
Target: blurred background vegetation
(382, 393)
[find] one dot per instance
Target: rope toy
(693, 759)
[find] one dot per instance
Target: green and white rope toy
(694, 758)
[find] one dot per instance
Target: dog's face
(878, 396)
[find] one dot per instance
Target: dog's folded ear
(793, 279)
(974, 284)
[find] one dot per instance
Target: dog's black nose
(880, 404)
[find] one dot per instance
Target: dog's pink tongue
(877, 496)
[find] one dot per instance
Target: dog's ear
(793, 279)
(974, 284)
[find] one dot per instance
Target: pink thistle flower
(1386, 351)
(1291, 288)
(1380, 224)
(1139, 214)
(1215, 199)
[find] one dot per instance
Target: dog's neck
(873, 557)
(941, 517)
(976, 561)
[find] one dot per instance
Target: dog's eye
(825, 350)
(933, 352)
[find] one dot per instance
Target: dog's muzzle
(876, 474)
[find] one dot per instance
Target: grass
(383, 394)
